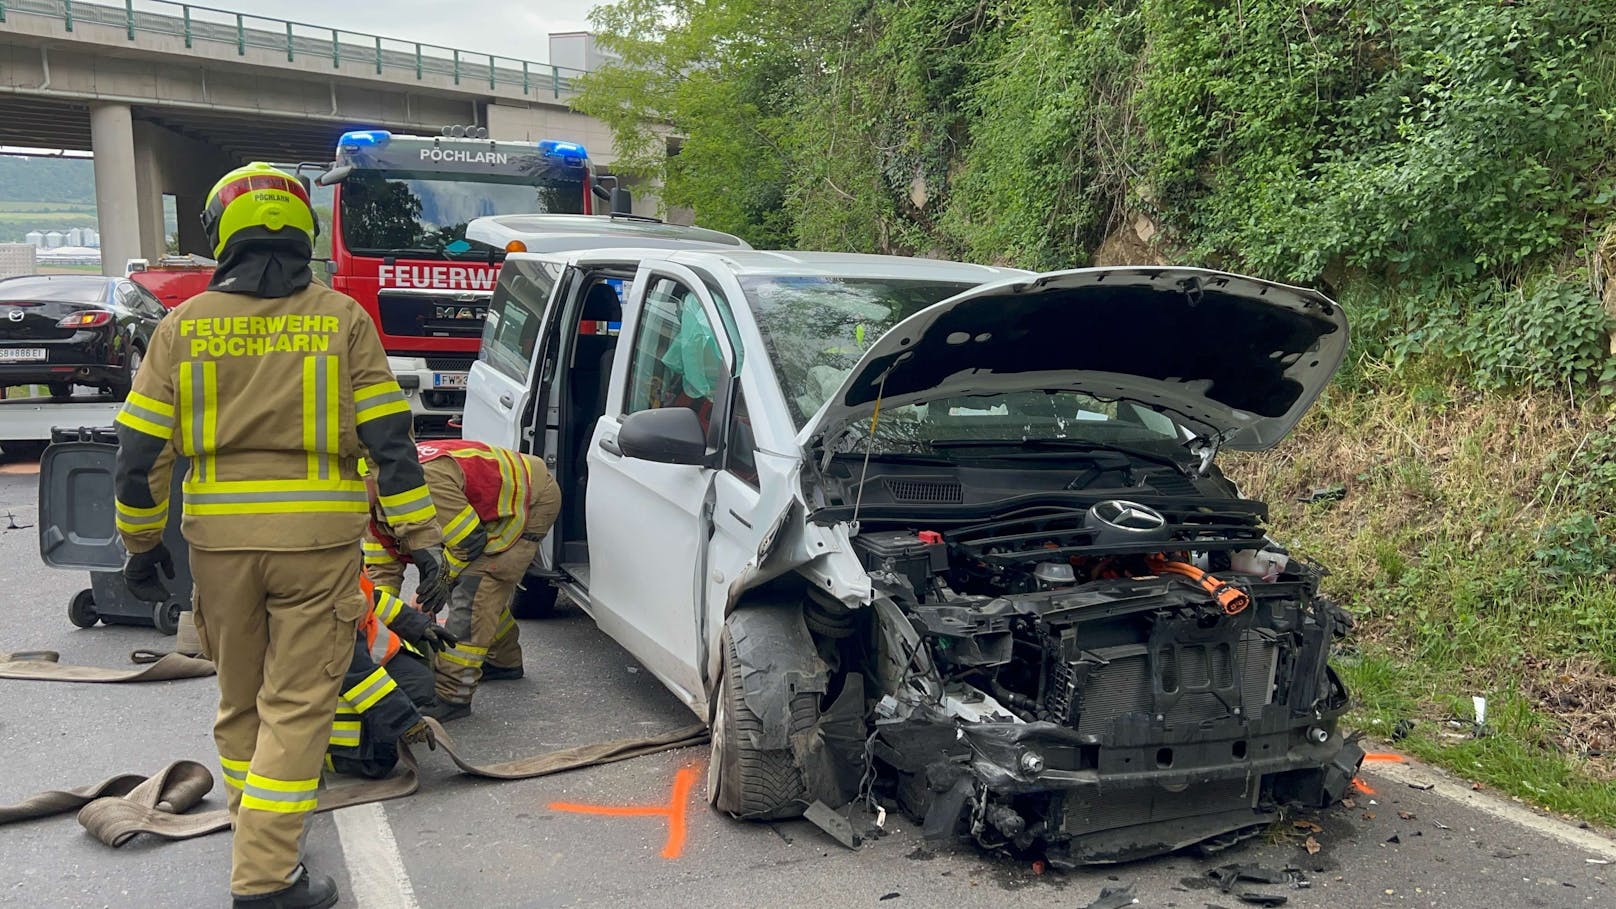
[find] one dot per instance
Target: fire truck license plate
(448, 380)
(21, 354)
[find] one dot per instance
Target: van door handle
(506, 401)
(609, 444)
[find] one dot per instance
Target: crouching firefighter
(494, 506)
(273, 386)
(388, 683)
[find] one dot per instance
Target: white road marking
(375, 868)
(1442, 785)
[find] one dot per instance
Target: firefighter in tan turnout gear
(274, 387)
(494, 506)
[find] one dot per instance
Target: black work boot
(307, 892)
(501, 673)
(448, 710)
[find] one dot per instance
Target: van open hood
(1226, 355)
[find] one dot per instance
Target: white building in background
(92, 238)
(16, 259)
(74, 236)
(578, 51)
(53, 239)
(70, 255)
(34, 238)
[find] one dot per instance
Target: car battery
(915, 556)
(78, 530)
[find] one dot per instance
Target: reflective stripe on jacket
(273, 401)
(475, 488)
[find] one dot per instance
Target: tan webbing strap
(42, 666)
(571, 758)
(117, 809)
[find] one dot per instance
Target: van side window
(676, 360)
(515, 316)
(740, 445)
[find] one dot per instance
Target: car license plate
(448, 380)
(22, 354)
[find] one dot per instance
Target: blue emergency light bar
(371, 138)
(557, 149)
(364, 138)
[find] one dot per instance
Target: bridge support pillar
(188, 206)
(117, 204)
(149, 193)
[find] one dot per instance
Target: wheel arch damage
(777, 659)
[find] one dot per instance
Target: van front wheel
(745, 781)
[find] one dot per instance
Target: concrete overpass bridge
(168, 96)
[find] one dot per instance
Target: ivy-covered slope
(1445, 168)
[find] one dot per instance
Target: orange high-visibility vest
(379, 639)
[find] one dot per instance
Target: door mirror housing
(335, 175)
(666, 435)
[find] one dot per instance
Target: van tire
(752, 783)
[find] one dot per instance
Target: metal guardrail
(206, 26)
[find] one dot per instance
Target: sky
(509, 28)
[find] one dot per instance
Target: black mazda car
(66, 330)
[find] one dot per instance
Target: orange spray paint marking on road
(674, 811)
(1363, 787)
(1384, 757)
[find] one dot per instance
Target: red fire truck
(173, 279)
(397, 227)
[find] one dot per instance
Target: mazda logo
(15, 315)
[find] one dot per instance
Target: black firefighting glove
(140, 573)
(417, 629)
(433, 590)
(476, 543)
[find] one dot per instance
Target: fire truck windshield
(424, 215)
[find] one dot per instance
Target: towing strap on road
(115, 810)
(42, 666)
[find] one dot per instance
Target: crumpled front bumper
(1148, 793)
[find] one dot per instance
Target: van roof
(759, 262)
(563, 233)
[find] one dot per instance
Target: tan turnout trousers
(280, 628)
(479, 611)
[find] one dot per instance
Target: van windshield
(817, 327)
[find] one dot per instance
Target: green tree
(1444, 166)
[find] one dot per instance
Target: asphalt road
(466, 843)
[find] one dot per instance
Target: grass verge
(1474, 547)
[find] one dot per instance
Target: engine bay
(1120, 677)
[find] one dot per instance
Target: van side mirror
(622, 201)
(666, 435)
(335, 175)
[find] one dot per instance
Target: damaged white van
(943, 535)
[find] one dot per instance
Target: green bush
(1444, 166)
